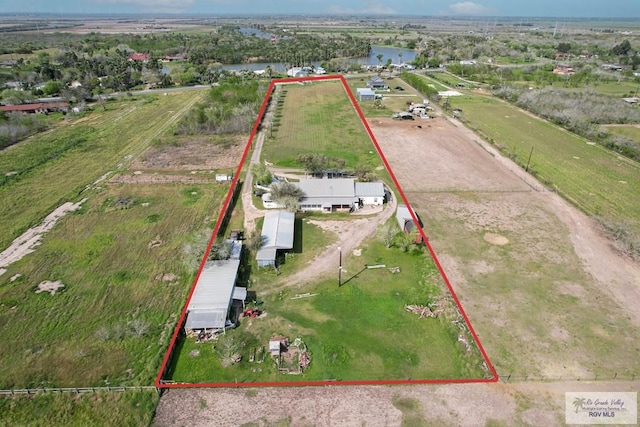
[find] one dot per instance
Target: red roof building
(38, 108)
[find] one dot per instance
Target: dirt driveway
(545, 291)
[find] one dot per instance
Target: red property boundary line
(223, 212)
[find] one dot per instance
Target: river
(396, 56)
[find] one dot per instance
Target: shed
(327, 195)
(365, 94)
(214, 292)
(370, 193)
(405, 220)
(277, 234)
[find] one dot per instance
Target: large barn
(215, 292)
(277, 234)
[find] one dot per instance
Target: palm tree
(579, 402)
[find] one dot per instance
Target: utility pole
(339, 266)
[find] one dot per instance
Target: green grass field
(318, 118)
(596, 180)
(130, 408)
(450, 80)
(49, 169)
(357, 331)
(361, 330)
(111, 322)
(630, 131)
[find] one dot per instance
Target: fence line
(77, 390)
(541, 378)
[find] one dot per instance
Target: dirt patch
(27, 242)
(166, 277)
(49, 286)
(191, 155)
(496, 239)
(155, 243)
(452, 404)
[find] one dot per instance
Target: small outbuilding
(277, 234)
(370, 193)
(365, 94)
(406, 222)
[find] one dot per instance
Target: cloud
(151, 6)
(468, 8)
(368, 8)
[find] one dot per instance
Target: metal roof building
(370, 193)
(277, 233)
(327, 194)
(214, 291)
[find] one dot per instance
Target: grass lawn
(130, 408)
(111, 323)
(630, 131)
(598, 181)
(450, 80)
(434, 83)
(317, 118)
(42, 172)
(358, 331)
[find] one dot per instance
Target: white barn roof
(369, 189)
(277, 229)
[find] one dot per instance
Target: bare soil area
(442, 405)
(191, 155)
(543, 288)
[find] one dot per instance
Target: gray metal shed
(214, 292)
(277, 233)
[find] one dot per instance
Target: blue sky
(544, 8)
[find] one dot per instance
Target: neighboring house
(297, 72)
(632, 100)
(75, 84)
(406, 222)
(377, 83)
(370, 193)
(277, 234)
(365, 94)
(37, 108)
(215, 292)
(327, 195)
(144, 57)
(468, 62)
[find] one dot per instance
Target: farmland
(43, 171)
(300, 127)
(125, 259)
(357, 331)
(596, 180)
